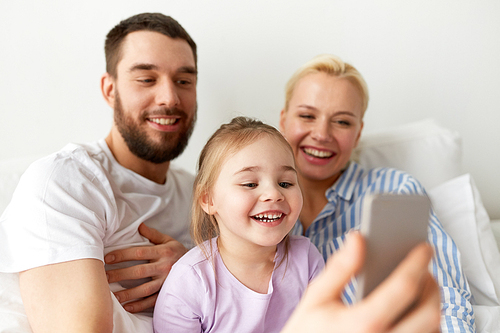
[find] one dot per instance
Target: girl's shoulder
(302, 244)
(299, 240)
(302, 253)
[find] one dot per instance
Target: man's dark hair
(156, 22)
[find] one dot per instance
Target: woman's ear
(282, 120)
(359, 133)
(108, 89)
(207, 204)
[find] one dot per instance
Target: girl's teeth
(268, 217)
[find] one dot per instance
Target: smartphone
(392, 226)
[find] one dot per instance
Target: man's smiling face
(155, 95)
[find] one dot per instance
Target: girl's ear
(207, 204)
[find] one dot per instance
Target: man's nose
(167, 94)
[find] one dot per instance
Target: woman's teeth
(268, 217)
(318, 153)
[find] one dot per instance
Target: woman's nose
(321, 131)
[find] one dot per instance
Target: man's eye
(285, 184)
(147, 80)
(183, 82)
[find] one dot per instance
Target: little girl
(246, 274)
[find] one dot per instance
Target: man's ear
(207, 204)
(108, 88)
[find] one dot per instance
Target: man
(87, 200)
(73, 207)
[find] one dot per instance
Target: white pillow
(487, 318)
(458, 206)
(10, 172)
(495, 226)
(427, 151)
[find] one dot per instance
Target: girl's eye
(285, 184)
(250, 185)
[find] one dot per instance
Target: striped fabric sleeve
(457, 313)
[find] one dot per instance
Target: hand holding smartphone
(392, 226)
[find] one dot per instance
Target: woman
(322, 120)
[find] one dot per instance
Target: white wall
(421, 59)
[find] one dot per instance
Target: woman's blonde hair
(329, 64)
(225, 142)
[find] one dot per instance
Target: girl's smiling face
(256, 199)
(323, 124)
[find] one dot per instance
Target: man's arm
(161, 257)
(408, 301)
(73, 296)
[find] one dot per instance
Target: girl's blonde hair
(225, 142)
(332, 65)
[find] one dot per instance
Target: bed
(433, 155)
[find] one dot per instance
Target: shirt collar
(345, 185)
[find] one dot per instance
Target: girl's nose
(272, 193)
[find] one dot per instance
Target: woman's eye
(343, 122)
(306, 116)
(285, 184)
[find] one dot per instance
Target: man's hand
(161, 257)
(407, 301)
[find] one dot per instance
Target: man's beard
(138, 142)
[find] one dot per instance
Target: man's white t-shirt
(81, 203)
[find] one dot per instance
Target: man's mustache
(164, 111)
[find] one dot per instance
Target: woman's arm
(73, 296)
(457, 311)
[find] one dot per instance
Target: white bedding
(488, 317)
(495, 227)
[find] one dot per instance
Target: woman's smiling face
(323, 124)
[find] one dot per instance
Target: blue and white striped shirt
(342, 213)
